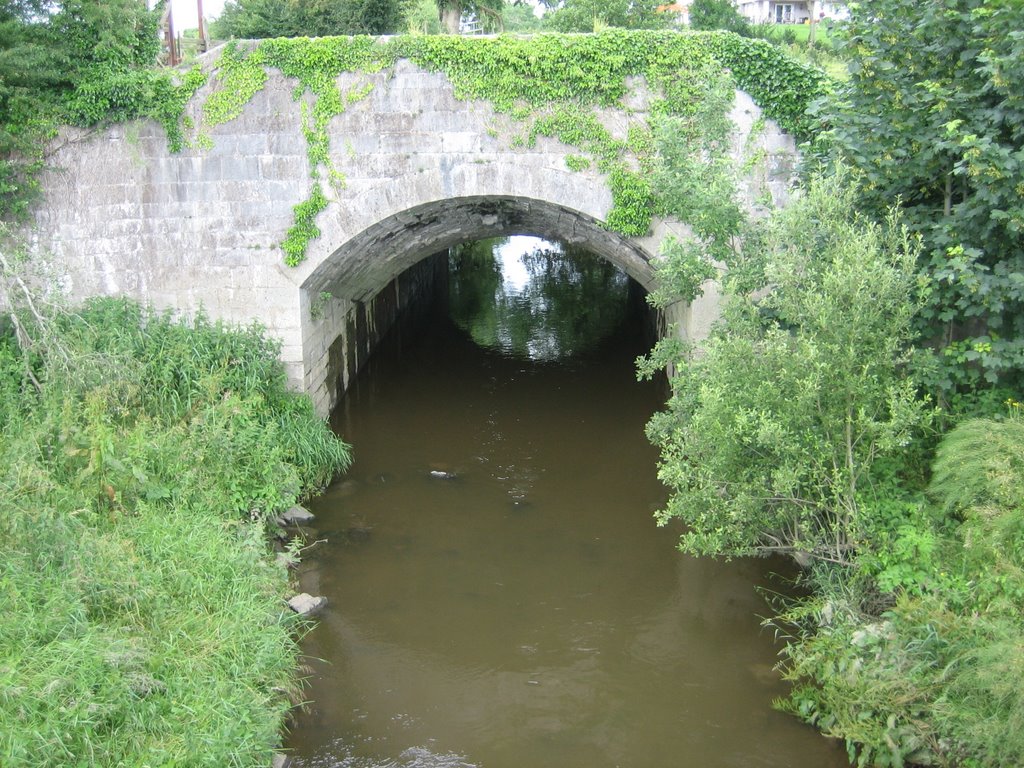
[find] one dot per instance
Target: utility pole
(203, 43)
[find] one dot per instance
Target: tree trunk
(451, 15)
(947, 205)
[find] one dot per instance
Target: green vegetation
(598, 15)
(543, 80)
(486, 13)
(519, 19)
(798, 33)
(772, 430)
(933, 116)
(808, 425)
(77, 62)
(801, 428)
(551, 83)
(304, 229)
(422, 18)
(796, 40)
(143, 620)
(915, 656)
(258, 19)
(718, 14)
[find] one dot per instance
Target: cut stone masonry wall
(423, 171)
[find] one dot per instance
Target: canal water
(500, 596)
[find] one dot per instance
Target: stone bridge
(423, 170)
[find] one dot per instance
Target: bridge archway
(366, 263)
(353, 295)
(414, 168)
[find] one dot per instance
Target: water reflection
(534, 299)
(526, 612)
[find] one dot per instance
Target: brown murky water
(527, 612)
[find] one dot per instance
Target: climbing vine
(170, 106)
(240, 76)
(576, 163)
(549, 84)
(304, 229)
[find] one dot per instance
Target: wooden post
(172, 49)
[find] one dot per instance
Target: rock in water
(306, 605)
(439, 475)
(296, 516)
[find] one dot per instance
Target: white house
(791, 11)
(680, 9)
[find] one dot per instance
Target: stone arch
(363, 276)
(356, 270)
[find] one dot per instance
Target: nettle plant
(550, 84)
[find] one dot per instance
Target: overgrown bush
(925, 666)
(772, 430)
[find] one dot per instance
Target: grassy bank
(915, 655)
(141, 612)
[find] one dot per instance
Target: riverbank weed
(915, 655)
(142, 617)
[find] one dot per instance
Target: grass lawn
(800, 32)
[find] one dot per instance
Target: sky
(185, 12)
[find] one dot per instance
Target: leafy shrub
(932, 673)
(774, 427)
(862, 678)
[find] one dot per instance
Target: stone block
(462, 142)
(307, 605)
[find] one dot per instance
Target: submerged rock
(358, 533)
(280, 761)
(438, 474)
(305, 604)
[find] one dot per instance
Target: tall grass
(141, 615)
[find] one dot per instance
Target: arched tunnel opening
(502, 596)
(402, 270)
(540, 300)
